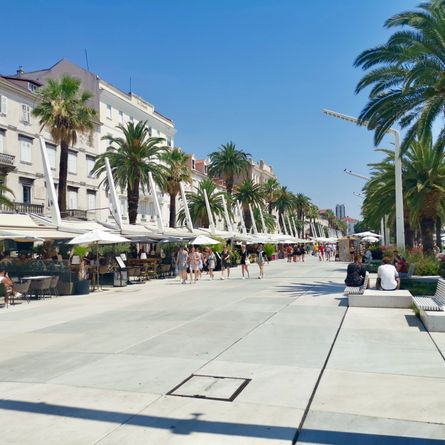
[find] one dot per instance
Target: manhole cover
(210, 387)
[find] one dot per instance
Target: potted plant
(82, 285)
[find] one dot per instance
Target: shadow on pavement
(314, 288)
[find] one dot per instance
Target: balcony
(23, 207)
(6, 163)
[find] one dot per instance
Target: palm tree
(132, 158)
(269, 221)
(177, 171)
(406, 75)
(284, 202)
(5, 201)
(330, 217)
(270, 189)
(197, 204)
(63, 109)
(313, 214)
(249, 193)
(228, 162)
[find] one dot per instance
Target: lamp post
(400, 228)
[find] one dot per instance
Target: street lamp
(400, 228)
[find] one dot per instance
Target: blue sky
(255, 72)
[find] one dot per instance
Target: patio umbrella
(97, 237)
(370, 239)
(364, 234)
(203, 240)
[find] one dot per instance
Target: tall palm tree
(269, 221)
(132, 158)
(249, 193)
(228, 162)
(63, 109)
(284, 202)
(5, 202)
(313, 213)
(177, 171)
(425, 187)
(330, 217)
(197, 204)
(270, 189)
(406, 74)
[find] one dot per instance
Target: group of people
(325, 252)
(192, 262)
(295, 253)
(388, 277)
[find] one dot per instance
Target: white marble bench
(432, 309)
(350, 290)
(381, 298)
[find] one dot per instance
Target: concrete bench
(397, 299)
(432, 309)
(350, 290)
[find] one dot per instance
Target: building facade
(340, 211)
(258, 172)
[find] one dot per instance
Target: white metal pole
(186, 208)
(400, 226)
(290, 226)
(262, 220)
(50, 189)
(157, 206)
(209, 213)
(382, 232)
(255, 230)
(115, 208)
(241, 217)
(295, 228)
(387, 232)
(226, 215)
(284, 224)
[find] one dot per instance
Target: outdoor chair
(164, 270)
(351, 290)
(22, 288)
(150, 271)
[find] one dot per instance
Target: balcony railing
(6, 163)
(23, 207)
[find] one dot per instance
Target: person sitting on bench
(387, 276)
(356, 272)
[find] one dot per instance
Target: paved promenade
(299, 365)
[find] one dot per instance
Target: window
(26, 112)
(26, 190)
(121, 117)
(72, 162)
(91, 198)
(32, 87)
(25, 149)
(150, 131)
(51, 152)
(2, 141)
(109, 112)
(90, 165)
(193, 164)
(169, 142)
(72, 198)
(3, 105)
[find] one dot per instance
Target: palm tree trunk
(133, 201)
(269, 204)
(438, 232)
(172, 221)
(229, 185)
(247, 218)
(63, 173)
(427, 226)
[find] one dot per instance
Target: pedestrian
(289, 251)
(321, 250)
(297, 253)
(387, 276)
(181, 264)
(193, 260)
(261, 260)
(328, 252)
(7, 284)
(244, 261)
(356, 273)
(225, 263)
(211, 262)
(303, 252)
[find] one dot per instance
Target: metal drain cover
(210, 387)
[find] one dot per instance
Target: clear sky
(255, 72)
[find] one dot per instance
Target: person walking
(181, 264)
(244, 261)
(261, 260)
(225, 263)
(211, 263)
(321, 250)
(193, 260)
(303, 252)
(7, 284)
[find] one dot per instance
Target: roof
(349, 219)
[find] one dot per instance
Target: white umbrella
(203, 240)
(370, 239)
(364, 234)
(97, 236)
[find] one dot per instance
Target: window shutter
(4, 105)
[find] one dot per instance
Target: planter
(82, 287)
(64, 288)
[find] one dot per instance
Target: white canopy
(98, 237)
(364, 234)
(203, 240)
(370, 239)
(19, 237)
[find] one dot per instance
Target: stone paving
(99, 369)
